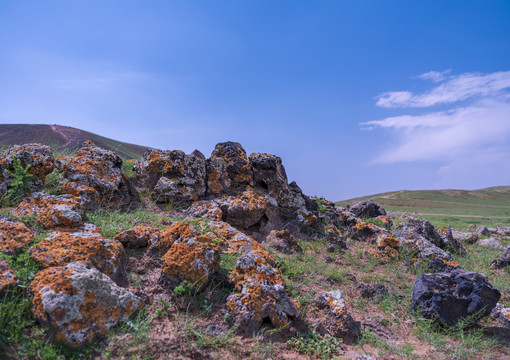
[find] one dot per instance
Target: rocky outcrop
(366, 209)
(38, 157)
(52, 211)
(79, 303)
(337, 322)
(14, 235)
(89, 197)
(86, 244)
(451, 297)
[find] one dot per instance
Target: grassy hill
(459, 208)
(64, 139)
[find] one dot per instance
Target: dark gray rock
(502, 262)
(366, 209)
(451, 297)
(369, 291)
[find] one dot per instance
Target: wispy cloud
(466, 139)
(452, 89)
(435, 76)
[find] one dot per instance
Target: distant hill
(64, 139)
(458, 207)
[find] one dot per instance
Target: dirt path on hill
(392, 196)
(61, 133)
(450, 215)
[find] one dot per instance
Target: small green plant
(54, 182)
(20, 184)
(228, 262)
(374, 221)
(184, 288)
(313, 344)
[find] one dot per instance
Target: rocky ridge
(232, 208)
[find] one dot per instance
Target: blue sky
(357, 97)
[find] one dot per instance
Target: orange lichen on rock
(7, 277)
(38, 156)
(178, 231)
(52, 211)
(138, 236)
(89, 196)
(205, 208)
(63, 247)
(336, 321)
(80, 303)
(14, 235)
(385, 239)
(192, 259)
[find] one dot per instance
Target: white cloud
(435, 76)
(454, 89)
(446, 135)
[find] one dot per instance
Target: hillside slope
(457, 207)
(64, 139)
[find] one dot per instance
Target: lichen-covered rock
(482, 231)
(228, 169)
(269, 176)
(79, 303)
(261, 295)
(173, 176)
(260, 292)
(385, 221)
(366, 209)
(178, 231)
(451, 297)
(7, 277)
(387, 246)
(14, 235)
(335, 237)
(205, 209)
(51, 210)
(99, 169)
(441, 265)
(63, 247)
(38, 156)
(364, 231)
(490, 242)
(138, 237)
(424, 229)
(251, 209)
(369, 291)
(464, 237)
(192, 259)
(89, 197)
(502, 314)
(337, 322)
(502, 262)
(450, 241)
(502, 231)
(282, 241)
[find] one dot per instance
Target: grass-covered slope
(459, 208)
(64, 139)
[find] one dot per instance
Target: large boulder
(366, 209)
(451, 297)
(52, 210)
(39, 157)
(228, 169)
(192, 259)
(60, 248)
(79, 303)
(172, 176)
(101, 170)
(14, 235)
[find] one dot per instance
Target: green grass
(114, 222)
(489, 207)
